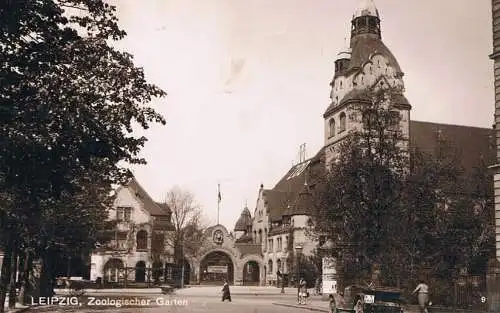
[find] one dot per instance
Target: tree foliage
(68, 104)
(404, 210)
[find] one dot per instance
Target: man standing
(226, 294)
(423, 296)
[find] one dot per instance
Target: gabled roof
(150, 205)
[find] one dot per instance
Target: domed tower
(366, 65)
(243, 226)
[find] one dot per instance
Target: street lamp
(182, 270)
(282, 282)
(298, 250)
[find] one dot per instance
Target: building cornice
(495, 55)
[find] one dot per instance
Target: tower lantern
(366, 20)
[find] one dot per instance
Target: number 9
(483, 299)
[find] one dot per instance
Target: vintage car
(359, 299)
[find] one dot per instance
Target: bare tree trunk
(5, 274)
(13, 279)
(24, 288)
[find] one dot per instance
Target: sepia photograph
(251, 156)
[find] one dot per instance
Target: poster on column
(329, 284)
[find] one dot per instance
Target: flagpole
(218, 202)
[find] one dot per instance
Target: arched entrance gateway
(251, 274)
(112, 270)
(216, 267)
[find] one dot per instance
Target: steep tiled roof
(149, 204)
(285, 193)
(277, 201)
(303, 203)
(475, 145)
(244, 221)
(364, 46)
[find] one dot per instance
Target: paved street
(194, 299)
(240, 304)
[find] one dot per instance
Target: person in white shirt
(423, 295)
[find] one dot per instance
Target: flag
(219, 198)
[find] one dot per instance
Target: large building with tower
(264, 238)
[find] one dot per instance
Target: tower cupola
(366, 20)
(342, 60)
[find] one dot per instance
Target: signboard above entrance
(217, 268)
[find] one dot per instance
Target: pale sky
(248, 82)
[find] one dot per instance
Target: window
(123, 214)
(278, 265)
(369, 117)
(270, 245)
(270, 267)
(142, 240)
(342, 122)
(331, 127)
(280, 244)
(121, 240)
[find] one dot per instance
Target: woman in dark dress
(226, 294)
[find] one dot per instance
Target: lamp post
(282, 282)
(182, 269)
(298, 250)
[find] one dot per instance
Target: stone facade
(493, 279)
(140, 222)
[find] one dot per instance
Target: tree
(404, 211)
(68, 102)
(188, 229)
(359, 203)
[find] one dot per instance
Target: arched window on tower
(270, 266)
(343, 121)
(331, 127)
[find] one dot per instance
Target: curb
(305, 307)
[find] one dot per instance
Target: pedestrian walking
(422, 291)
(302, 291)
(226, 293)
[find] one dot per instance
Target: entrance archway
(140, 272)
(251, 273)
(112, 269)
(216, 267)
